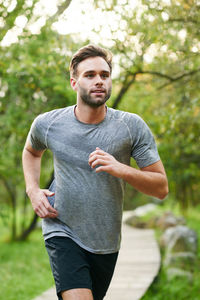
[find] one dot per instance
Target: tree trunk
(126, 85)
(26, 232)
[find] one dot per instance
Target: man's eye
(104, 75)
(89, 75)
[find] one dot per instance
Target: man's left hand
(106, 163)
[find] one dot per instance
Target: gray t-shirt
(90, 204)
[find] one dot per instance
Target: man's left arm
(150, 180)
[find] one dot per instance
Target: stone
(152, 222)
(182, 260)
(168, 219)
(135, 221)
(179, 239)
(176, 272)
(135, 218)
(144, 209)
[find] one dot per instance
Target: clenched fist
(106, 163)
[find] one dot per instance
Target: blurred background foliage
(157, 73)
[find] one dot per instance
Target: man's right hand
(41, 204)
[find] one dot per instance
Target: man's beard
(90, 101)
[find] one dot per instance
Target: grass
(177, 288)
(24, 268)
(25, 271)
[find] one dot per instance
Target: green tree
(157, 45)
(34, 78)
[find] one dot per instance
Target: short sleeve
(37, 134)
(144, 149)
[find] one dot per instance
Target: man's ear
(73, 83)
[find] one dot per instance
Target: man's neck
(90, 115)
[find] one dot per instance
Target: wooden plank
(138, 264)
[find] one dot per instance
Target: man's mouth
(98, 91)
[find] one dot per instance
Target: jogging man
(92, 145)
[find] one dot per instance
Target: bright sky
(80, 17)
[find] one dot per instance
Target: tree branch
(156, 73)
(170, 78)
(25, 233)
(123, 90)
(9, 189)
(127, 83)
(61, 9)
(186, 20)
(179, 78)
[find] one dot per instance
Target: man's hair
(87, 52)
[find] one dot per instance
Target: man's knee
(77, 294)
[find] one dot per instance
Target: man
(92, 146)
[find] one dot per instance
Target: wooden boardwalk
(137, 266)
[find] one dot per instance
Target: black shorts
(74, 267)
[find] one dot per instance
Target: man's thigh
(77, 272)
(101, 269)
(77, 294)
(69, 266)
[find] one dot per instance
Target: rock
(175, 272)
(134, 218)
(180, 244)
(169, 220)
(182, 260)
(135, 221)
(179, 239)
(144, 209)
(152, 222)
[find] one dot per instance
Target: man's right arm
(31, 160)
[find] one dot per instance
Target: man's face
(93, 83)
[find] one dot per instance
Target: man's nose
(99, 80)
